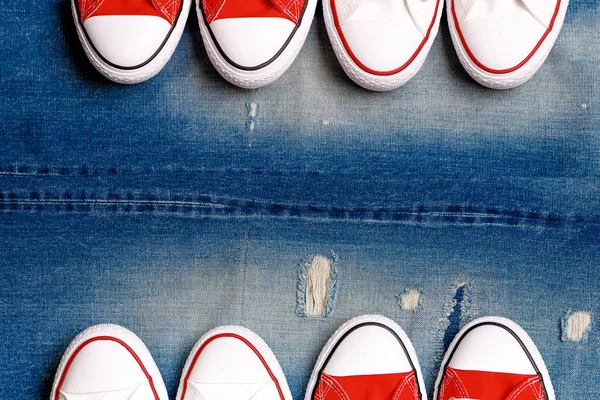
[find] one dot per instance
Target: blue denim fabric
(168, 208)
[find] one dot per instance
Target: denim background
(183, 203)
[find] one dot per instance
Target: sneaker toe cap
(251, 42)
(382, 47)
(502, 43)
(127, 40)
(491, 348)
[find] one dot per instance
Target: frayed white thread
(576, 326)
(317, 285)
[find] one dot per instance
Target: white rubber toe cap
(228, 360)
(491, 348)
(103, 366)
(382, 47)
(127, 40)
(368, 350)
(250, 42)
(502, 43)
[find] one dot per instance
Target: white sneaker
(503, 43)
(108, 362)
(381, 44)
(233, 363)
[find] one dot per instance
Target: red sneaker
(130, 41)
(368, 358)
(493, 359)
(253, 42)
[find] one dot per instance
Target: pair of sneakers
(367, 358)
(250, 42)
(381, 44)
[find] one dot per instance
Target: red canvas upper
(167, 9)
(220, 9)
(490, 386)
(400, 386)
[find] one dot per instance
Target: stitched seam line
(207, 204)
(337, 388)
(402, 385)
(528, 383)
(457, 382)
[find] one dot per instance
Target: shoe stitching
(337, 388)
(88, 7)
(167, 8)
(526, 384)
(415, 389)
(210, 11)
(538, 392)
(292, 8)
(400, 388)
(322, 390)
(457, 382)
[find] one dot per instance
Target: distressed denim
(184, 203)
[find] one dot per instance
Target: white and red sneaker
(130, 41)
(382, 44)
(493, 359)
(253, 42)
(108, 362)
(231, 362)
(503, 43)
(369, 357)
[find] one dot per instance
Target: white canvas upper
(97, 365)
(127, 40)
(250, 42)
(417, 12)
(223, 366)
(542, 10)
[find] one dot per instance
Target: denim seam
(209, 205)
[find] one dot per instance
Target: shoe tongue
(139, 392)
(238, 391)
